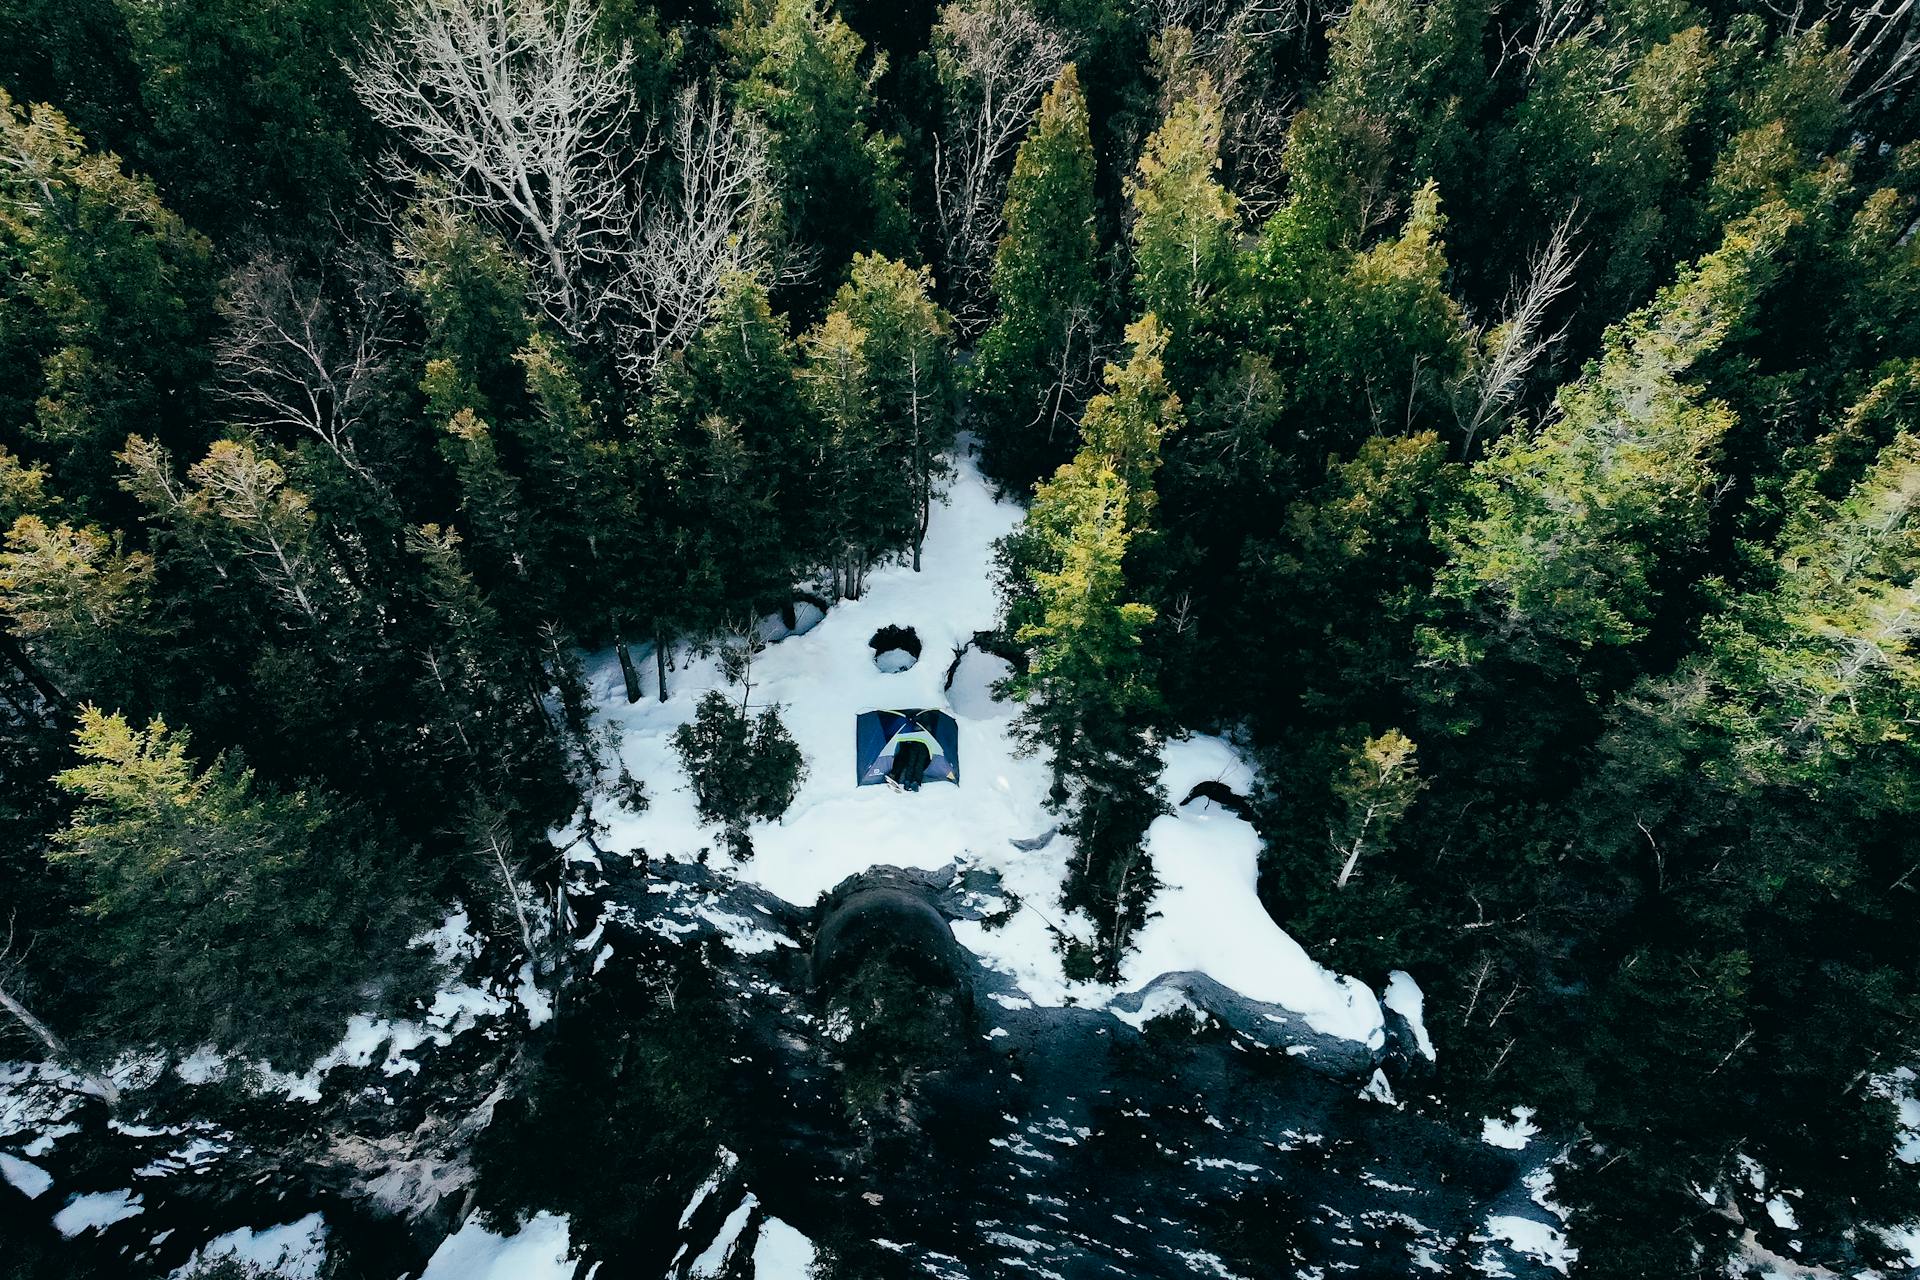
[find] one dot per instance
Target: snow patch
(30, 1180)
(1404, 997)
(206, 1065)
(293, 1251)
(1536, 1240)
(537, 1003)
(537, 1251)
(1511, 1134)
(1210, 918)
(1377, 1089)
(709, 1264)
(782, 1253)
(96, 1212)
(972, 692)
(727, 1163)
(1160, 1002)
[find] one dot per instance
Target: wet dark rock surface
(849, 1069)
(1066, 1141)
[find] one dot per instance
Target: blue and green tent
(879, 736)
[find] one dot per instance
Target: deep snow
(1207, 915)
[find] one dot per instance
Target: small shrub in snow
(629, 792)
(742, 767)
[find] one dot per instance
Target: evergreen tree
(733, 459)
(858, 489)
(1185, 227)
(908, 350)
(77, 604)
(1568, 541)
(1032, 367)
(1403, 91)
(105, 308)
(254, 133)
(1089, 686)
(744, 767)
(221, 910)
(1746, 812)
(806, 73)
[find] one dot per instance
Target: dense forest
(1500, 416)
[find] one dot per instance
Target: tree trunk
(511, 887)
(628, 672)
(926, 516)
(660, 662)
(57, 1048)
(17, 655)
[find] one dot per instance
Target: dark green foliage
(1031, 368)
(648, 1043)
(254, 132)
(105, 310)
(1575, 641)
(733, 451)
(808, 75)
(744, 768)
(220, 910)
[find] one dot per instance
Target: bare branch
(996, 59)
(1882, 48)
(1498, 378)
(524, 116)
(714, 221)
(290, 360)
(12, 962)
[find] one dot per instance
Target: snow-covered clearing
(1208, 917)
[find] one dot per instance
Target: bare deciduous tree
(490, 838)
(525, 116)
(1219, 41)
(715, 220)
(995, 60)
(1509, 353)
(1554, 23)
(1878, 38)
(291, 360)
(1883, 48)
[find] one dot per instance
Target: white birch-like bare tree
(1880, 40)
(996, 59)
(714, 219)
(498, 868)
(1507, 354)
(290, 360)
(1882, 46)
(1373, 792)
(525, 116)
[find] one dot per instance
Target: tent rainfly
(888, 745)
